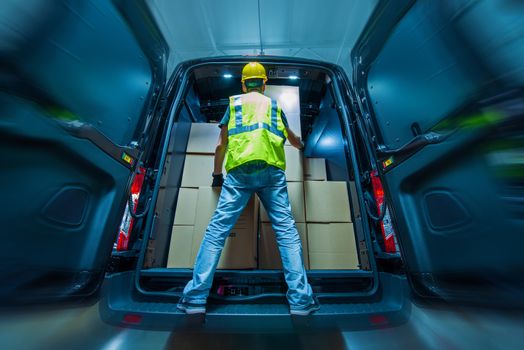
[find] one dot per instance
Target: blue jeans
(270, 184)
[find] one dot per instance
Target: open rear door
(441, 93)
(79, 82)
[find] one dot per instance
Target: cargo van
(400, 194)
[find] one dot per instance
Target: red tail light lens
(132, 319)
(386, 226)
(127, 221)
(378, 320)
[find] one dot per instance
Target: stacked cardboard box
(322, 213)
(321, 210)
(240, 246)
(332, 246)
(331, 238)
(197, 170)
(196, 204)
(315, 169)
(183, 228)
(203, 138)
(288, 98)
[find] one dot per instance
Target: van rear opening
(321, 188)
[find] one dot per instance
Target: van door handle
(413, 146)
(124, 155)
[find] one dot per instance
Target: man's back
(256, 131)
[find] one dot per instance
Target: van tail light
(127, 221)
(378, 320)
(386, 226)
(132, 319)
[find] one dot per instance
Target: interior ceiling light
(293, 77)
(228, 76)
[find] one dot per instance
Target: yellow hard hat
(254, 70)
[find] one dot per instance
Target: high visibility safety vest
(255, 131)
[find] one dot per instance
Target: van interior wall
(326, 140)
(169, 186)
(193, 104)
(452, 75)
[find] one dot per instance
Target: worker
(253, 132)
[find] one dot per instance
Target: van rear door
(441, 95)
(80, 82)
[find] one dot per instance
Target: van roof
(303, 29)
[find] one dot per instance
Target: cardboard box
(268, 253)
(294, 169)
(326, 201)
(203, 138)
(180, 247)
(296, 198)
(288, 98)
(198, 169)
(240, 247)
(332, 246)
(314, 169)
(185, 212)
(240, 250)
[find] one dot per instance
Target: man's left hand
(218, 180)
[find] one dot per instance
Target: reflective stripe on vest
(238, 112)
(239, 128)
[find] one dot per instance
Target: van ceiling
(321, 30)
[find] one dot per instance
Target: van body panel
(390, 308)
(438, 112)
(76, 110)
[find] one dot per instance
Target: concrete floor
(427, 328)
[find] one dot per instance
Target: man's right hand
(218, 180)
(294, 140)
(306, 152)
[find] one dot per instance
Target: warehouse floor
(450, 328)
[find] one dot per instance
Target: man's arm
(220, 150)
(294, 140)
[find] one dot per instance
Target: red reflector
(127, 221)
(138, 181)
(132, 319)
(378, 319)
(386, 226)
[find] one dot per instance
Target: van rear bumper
(122, 307)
